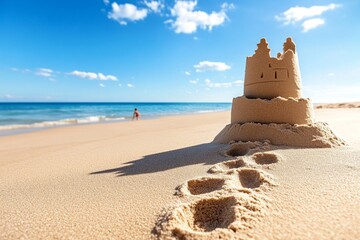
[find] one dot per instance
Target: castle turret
(272, 89)
(268, 77)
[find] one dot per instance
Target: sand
(276, 110)
(272, 108)
(338, 105)
(269, 77)
(316, 135)
(164, 178)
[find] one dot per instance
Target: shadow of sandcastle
(207, 154)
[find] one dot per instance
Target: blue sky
(160, 51)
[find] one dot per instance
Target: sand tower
(272, 89)
(269, 77)
(272, 107)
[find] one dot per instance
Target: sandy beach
(179, 120)
(114, 181)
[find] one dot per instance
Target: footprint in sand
(264, 158)
(228, 165)
(219, 217)
(238, 149)
(260, 158)
(202, 219)
(201, 186)
(208, 214)
(253, 178)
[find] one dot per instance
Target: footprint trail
(224, 206)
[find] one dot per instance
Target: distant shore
(337, 105)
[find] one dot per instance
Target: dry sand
(120, 180)
(338, 105)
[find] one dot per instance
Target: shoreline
(26, 129)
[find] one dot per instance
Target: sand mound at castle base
(317, 135)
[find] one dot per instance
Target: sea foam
(62, 122)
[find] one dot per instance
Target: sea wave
(62, 122)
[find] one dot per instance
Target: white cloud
(331, 74)
(50, 74)
(211, 66)
(88, 75)
(312, 23)
(106, 2)
(122, 13)
(227, 6)
(14, 69)
(107, 77)
(130, 85)
(297, 14)
(187, 20)
(9, 96)
(93, 76)
(44, 72)
(210, 84)
(101, 85)
(155, 6)
(193, 81)
(238, 83)
(187, 73)
(217, 85)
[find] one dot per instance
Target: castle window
(288, 75)
(262, 75)
(269, 65)
(275, 74)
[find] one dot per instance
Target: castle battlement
(269, 77)
(272, 85)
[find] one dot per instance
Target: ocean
(30, 116)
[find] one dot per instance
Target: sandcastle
(272, 107)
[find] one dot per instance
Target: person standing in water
(136, 114)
